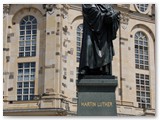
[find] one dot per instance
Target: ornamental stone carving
(124, 20)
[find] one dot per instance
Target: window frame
(146, 9)
(23, 85)
(143, 96)
(27, 36)
(141, 46)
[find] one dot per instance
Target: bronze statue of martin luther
(100, 25)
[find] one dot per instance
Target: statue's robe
(100, 25)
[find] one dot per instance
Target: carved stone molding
(124, 20)
(6, 8)
(64, 10)
(49, 8)
(66, 6)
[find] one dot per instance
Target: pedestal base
(96, 96)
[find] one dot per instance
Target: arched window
(28, 33)
(79, 40)
(141, 51)
(142, 7)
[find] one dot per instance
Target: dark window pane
(31, 97)
(33, 48)
(28, 27)
(19, 91)
(25, 91)
(138, 99)
(22, 22)
(32, 91)
(32, 71)
(22, 27)
(33, 42)
(26, 84)
(34, 26)
(147, 89)
(34, 21)
(32, 77)
(147, 82)
(21, 43)
(28, 43)
(28, 23)
(147, 94)
(27, 54)
(146, 67)
(26, 77)
(137, 81)
(34, 31)
(19, 97)
(33, 37)
(21, 54)
(20, 65)
(22, 32)
(21, 48)
(138, 93)
(25, 97)
(26, 18)
(142, 82)
(19, 85)
(141, 76)
(33, 53)
(143, 94)
(31, 84)
(148, 100)
(137, 87)
(142, 88)
(27, 48)
(31, 18)
(21, 37)
(147, 77)
(20, 71)
(137, 75)
(32, 64)
(148, 106)
(28, 32)
(137, 61)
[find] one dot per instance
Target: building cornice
(35, 112)
(77, 7)
(142, 17)
(127, 13)
(6, 8)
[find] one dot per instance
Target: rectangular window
(26, 78)
(143, 90)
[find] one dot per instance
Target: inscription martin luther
(96, 104)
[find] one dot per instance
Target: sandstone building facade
(41, 50)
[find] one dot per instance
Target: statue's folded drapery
(100, 25)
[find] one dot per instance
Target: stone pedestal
(96, 95)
